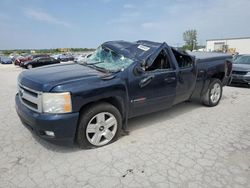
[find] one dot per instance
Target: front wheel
(213, 94)
(99, 125)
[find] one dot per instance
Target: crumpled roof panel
(139, 50)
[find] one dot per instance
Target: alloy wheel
(101, 129)
(215, 93)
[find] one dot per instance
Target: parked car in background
(5, 60)
(237, 56)
(19, 59)
(241, 70)
(91, 102)
(82, 57)
(55, 56)
(13, 55)
(65, 57)
(40, 61)
(29, 58)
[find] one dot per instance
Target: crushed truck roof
(138, 50)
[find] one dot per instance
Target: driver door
(153, 89)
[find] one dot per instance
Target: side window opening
(183, 60)
(161, 62)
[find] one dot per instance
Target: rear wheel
(99, 125)
(213, 95)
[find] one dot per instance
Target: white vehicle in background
(55, 56)
(82, 57)
(12, 56)
(66, 57)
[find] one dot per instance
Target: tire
(29, 67)
(92, 133)
(213, 94)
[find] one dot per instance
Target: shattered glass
(107, 59)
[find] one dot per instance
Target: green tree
(190, 38)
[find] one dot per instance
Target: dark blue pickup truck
(90, 103)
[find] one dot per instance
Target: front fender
(91, 90)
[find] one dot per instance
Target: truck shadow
(133, 124)
(56, 147)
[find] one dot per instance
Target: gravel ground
(187, 146)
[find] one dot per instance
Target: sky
(34, 24)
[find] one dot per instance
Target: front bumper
(63, 125)
(241, 79)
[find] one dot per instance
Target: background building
(233, 45)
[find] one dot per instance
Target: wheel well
(115, 101)
(219, 76)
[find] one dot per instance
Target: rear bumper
(63, 125)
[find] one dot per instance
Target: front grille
(31, 104)
(32, 93)
(30, 98)
(239, 72)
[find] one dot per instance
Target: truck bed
(209, 56)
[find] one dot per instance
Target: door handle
(170, 79)
(146, 81)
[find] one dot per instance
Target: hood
(45, 78)
(241, 67)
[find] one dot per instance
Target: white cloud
(213, 19)
(128, 6)
(44, 17)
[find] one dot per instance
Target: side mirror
(139, 70)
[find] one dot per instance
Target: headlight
(56, 102)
